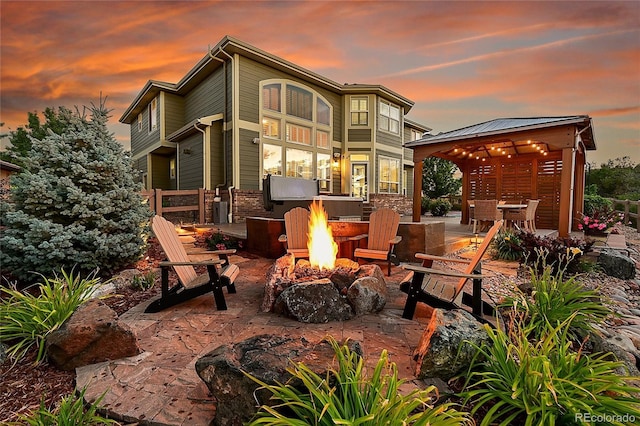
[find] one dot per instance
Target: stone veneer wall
(248, 203)
(399, 203)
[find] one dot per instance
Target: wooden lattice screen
(549, 171)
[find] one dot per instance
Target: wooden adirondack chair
(381, 239)
(296, 225)
(421, 284)
(221, 273)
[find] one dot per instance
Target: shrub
(594, 203)
(542, 251)
(70, 412)
(347, 396)
(507, 245)
(144, 281)
(424, 205)
(440, 207)
(76, 206)
(518, 381)
(26, 319)
(219, 241)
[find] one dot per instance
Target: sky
(462, 63)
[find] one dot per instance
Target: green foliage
(437, 178)
(541, 251)
(70, 412)
(26, 319)
(507, 245)
(77, 204)
(545, 382)
(595, 203)
(22, 139)
(440, 207)
(144, 281)
(424, 205)
(554, 299)
(347, 397)
(616, 177)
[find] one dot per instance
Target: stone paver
(160, 386)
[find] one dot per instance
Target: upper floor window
(322, 139)
(299, 102)
(172, 168)
(140, 122)
(271, 127)
(389, 175)
(271, 96)
(153, 114)
(415, 134)
(323, 112)
(389, 117)
(359, 111)
(298, 134)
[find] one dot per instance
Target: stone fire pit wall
(263, 233)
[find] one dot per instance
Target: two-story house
(241, 113)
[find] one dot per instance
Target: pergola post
(417, 190)
(566, 180)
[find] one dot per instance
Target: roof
(9, 166)
(501, 126)
(217, 55)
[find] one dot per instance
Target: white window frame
(268, 125)
(140, 122)
(359, 111)
(386, 120)
(153, 115)
(389, 182)
(296, 133)
(277, 149)
(289, 165)
(324, 179)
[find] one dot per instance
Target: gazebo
(516, 159)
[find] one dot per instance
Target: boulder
(620, 348)
(265, 357)
(367, 295)
(92, 334)
(300, 301)
(617, 265)
(448, 344)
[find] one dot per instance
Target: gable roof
(216, 56)
(501, 126)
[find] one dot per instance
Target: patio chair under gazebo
(540, 158)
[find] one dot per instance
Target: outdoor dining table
(512, 207)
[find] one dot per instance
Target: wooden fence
(165, 201)
(626, 204)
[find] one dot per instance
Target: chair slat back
(478, 256)
(166, 234)
(383, 226)
(296, 224)
(532, 206)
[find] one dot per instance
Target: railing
(626, 210)
(160, 201)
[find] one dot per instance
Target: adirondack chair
(421, 284)
(220, 274)
(296, 225)
(381, 239)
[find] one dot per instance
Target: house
(241, 113)
(517, 159)
(6, 170)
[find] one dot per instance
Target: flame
(322, 247)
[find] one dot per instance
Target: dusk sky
(462, 63)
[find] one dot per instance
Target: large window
(389, 175)
(271, 96)
(271, 127)
(299, 163)
(271, 160)
(299, 102)
(324, 172)
(389, 117)
(322, 139)
(153, 114)
(298, 134)
(359, 111)
(323, 112)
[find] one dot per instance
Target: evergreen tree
(76, 204)
(437, 178)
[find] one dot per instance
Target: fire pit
(323, 288)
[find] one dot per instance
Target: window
(415, 135)
(271, 160)
(389, 117)
(322, 112)
(299, 163)
(140, 122)
(299, 102)
(324, 172)
(322, 139)
(389, 175)
(359, 111)
(172, 168)
(271, 127)
(271, 97)
(153, 114)
(298, 134)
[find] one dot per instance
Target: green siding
(385, 138)
(216, 159)
(206, 98)
(360, 135)
(173, 113)
(408, 154)
(249, 160)
(190, 165)
(160, 172)
(143, 140)
(409, 181)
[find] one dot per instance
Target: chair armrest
(222, 252)
(358, 237)
(395, 240)
(282, 238)
(425, 256)
(430, 271)
(204, 262)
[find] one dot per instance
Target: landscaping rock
(448, 344)
(92, 334)
(265, 357)
(300, 301)
(367, 295)
(617, 265)
(622, 349)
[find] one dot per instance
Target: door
(359, 183)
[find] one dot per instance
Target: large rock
(367, 295)
(620, 348)
(92, 334)
(265, 357)
(302, 302)
(617, 265)
(448, 344)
